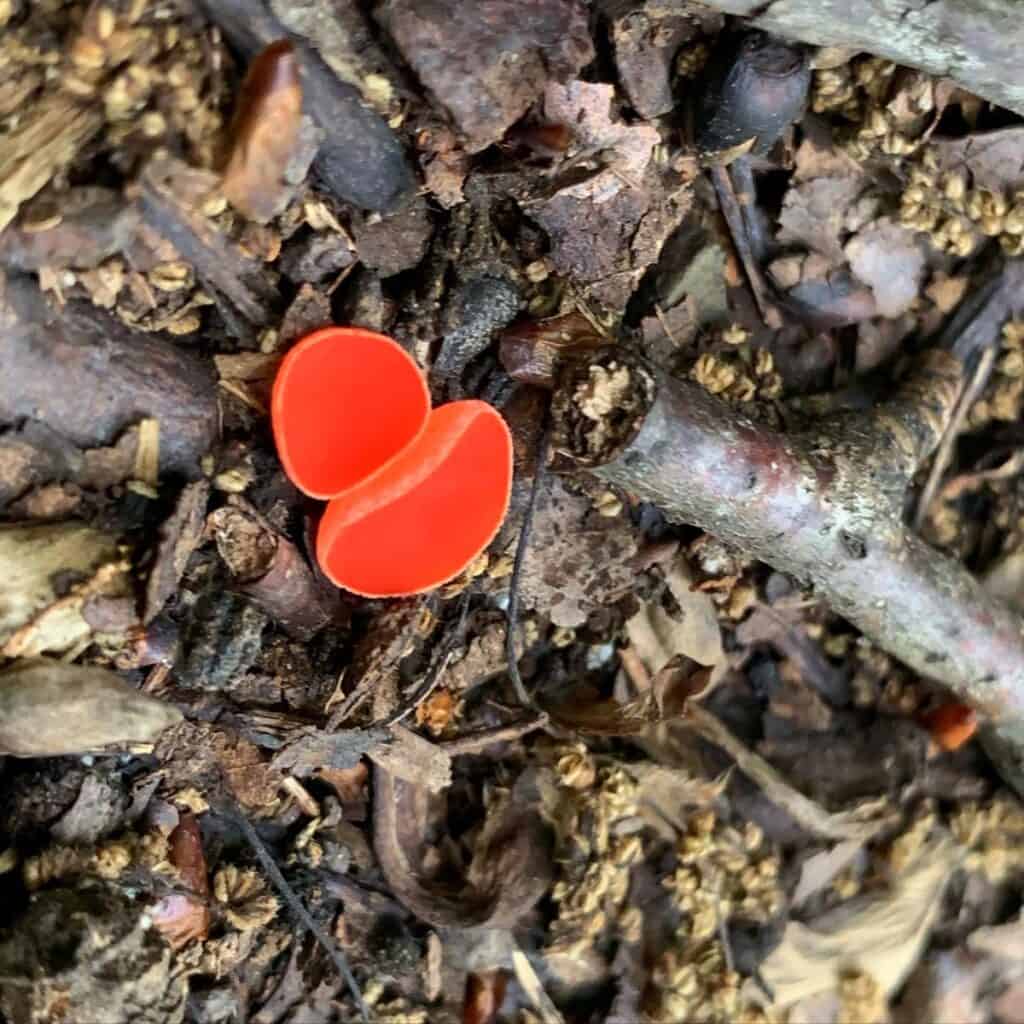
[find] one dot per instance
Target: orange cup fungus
(415, 494)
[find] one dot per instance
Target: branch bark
(975, 42)
(825, 506)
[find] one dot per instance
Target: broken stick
(825, 506)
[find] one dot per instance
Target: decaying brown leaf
(511, 866)
(690, 630)
(32, 558)
(184, 917)
(882, 934)
(993, 158)
(533, 350)
(265, 134)
(49, 708)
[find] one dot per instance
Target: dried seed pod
(756, 87)
(265, 134)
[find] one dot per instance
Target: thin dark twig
(295, 905)
(436, 670)
(733, 214)
(512, 614)
(969, 393)
(474, 742)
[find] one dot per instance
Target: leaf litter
(661, 834)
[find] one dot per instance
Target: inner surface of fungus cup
(415, 494)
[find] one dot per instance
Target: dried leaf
(819, 869)
(533, 351)
(31, 559)
(995, 159)
(658, 635)
(577, 560)
(813, 214)
(664, 794)
(511, 866)
(265, 133)
(584, 710)
(313, 749)
(49, 708)
(882, 935)
(414, 759)
(887, 257)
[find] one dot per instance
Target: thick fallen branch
(975, 42)
(825, 506)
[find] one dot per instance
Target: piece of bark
(87, 376)
(487, 63)
(975, 42)
(360, 159)
(269, 569)
(49, 708)
(394, 242)
(220, 263)
(50, 135)
(89, 225)
(179, 536)
(646, 39)
(824, 507)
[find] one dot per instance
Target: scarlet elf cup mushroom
(415, 493)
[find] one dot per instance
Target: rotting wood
(975, 42)
(87, 377)
(220, 263)
(824, 506)
(48, 140)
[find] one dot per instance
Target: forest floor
(231, 791)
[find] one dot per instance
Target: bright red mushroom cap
(345, 401)
(423, 517)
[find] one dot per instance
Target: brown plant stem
(824, 506)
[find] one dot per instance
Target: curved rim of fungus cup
(345, 401)
(421, 518)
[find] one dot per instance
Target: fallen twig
(512, 613)
(295, 905)
(968, 394)
(474, 742)
(858, 824)
(824, 506)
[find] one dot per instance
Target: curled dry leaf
(49, 708)
(533, 350)
(511, 866)
(882, 935)
(690, 630)
(264, 134)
